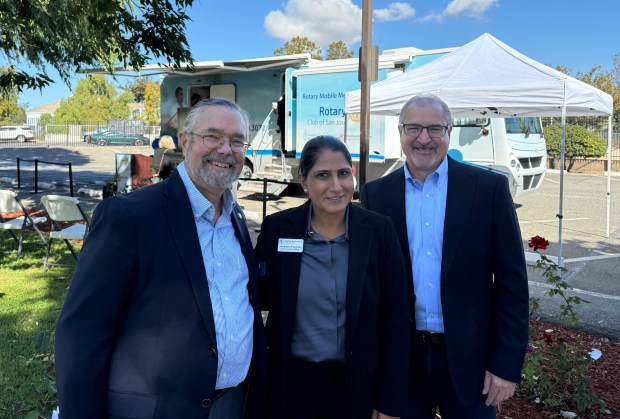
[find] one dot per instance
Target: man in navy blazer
(162, 318)
(460, 236)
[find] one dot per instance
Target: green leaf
(42, 341)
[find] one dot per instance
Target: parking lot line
(578, 291)
(554, 219)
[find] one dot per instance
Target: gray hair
(200, 107)
(427, 100)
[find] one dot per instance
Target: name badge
(291, 245)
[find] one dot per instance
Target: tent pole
(609, 136)
(560, 215)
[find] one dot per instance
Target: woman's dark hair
(315, 147)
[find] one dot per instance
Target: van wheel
(21, 139)
(246, 173)
(138, 143)
(102, 142)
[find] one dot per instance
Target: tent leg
(609, 137)
(560, 215)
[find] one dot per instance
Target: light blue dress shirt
(425, 206)
(227, 276)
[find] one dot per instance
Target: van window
(528, 125)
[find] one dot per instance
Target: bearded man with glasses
(162, 319)
(458, 231)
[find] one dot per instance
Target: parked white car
(16, 133)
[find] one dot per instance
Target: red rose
(547, 338)
(538, 242)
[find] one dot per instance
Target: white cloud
(321, 21)
(473, 8)
(394, 11)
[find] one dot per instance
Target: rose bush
(555, 372)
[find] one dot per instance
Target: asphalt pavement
(591, 258)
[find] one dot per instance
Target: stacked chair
(10, 202)
(75, 222)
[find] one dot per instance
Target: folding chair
(9, 202)
(64, 209)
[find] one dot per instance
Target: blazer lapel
(360, 240)
(394, 205)
(237, 218)
(290, 267)
(459, 202)
(180, 217)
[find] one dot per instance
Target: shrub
(555, 372)
(580, 143)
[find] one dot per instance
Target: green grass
(30, 302)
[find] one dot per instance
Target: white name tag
(291, 245)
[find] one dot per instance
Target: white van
(16, 133)
(514, 147)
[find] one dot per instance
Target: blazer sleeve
(394, 328)
(90, 318)
(262, 254)
(511, 296)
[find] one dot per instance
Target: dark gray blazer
(136, 336)
(484, 291)
(377, 306)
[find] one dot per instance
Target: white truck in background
(291, 99)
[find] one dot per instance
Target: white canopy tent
(488, 79)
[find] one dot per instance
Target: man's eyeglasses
(415, 130)
(215, 141)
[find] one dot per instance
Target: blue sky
(575, 34)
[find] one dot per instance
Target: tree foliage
(10, 111)
(580, 143)
(151, 103)
(299, 45)
(337, 50)
(72, 35)
(137, 88)
(94, 100)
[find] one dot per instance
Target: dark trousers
(431, 385)
(229, 403)
(316, 390)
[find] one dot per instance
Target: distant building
(136, 109)
(33, 115)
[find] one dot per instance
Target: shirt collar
(310, 232)
(440, 174)
(201, 206)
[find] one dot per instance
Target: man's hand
(379, 415)
(497, 389)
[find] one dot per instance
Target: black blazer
(377, 319)
(484, 291)
(136, 335)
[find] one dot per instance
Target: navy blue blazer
(484, 290)
(136, 336)
(377, 306)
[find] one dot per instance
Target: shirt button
(428, 195)
(428, 253)
(432, 315)
(430, 285)
(206, 403)
(427, 224)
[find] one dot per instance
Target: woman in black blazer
(333, 281)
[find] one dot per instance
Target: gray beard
(214, 177)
